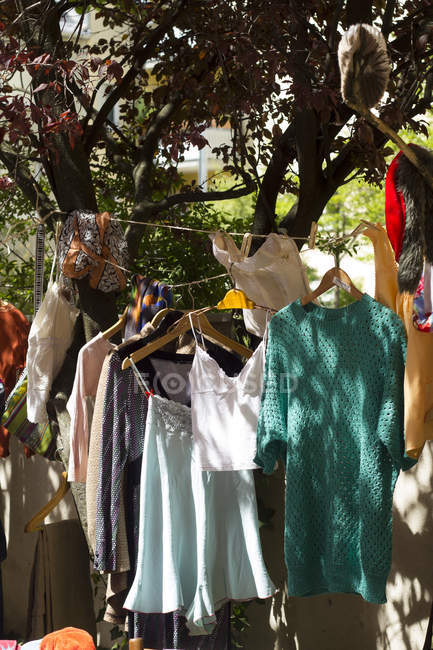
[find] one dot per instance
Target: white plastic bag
(273, 277)
(49, 338)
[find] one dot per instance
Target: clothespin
(148, 393)
(312, 236)
(58, 231)
(246, 244)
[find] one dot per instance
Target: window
(70, 21)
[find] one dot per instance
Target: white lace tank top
(225, 411)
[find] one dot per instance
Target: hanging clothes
(95, 245)
(60, 572)
(418, 378)
(225, 411)
(117, 583)
(37, 438)
(49, 339)
(199, 543)
(122, 434)
(332, 408)
(273, 277)
(169, 631)
(81, 403)
(122, 429)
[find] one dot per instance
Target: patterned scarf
(148, 296)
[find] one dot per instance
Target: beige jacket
(418, 381)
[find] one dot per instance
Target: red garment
(395, 209)
(14, 331)
(69, 638)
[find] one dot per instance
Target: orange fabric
(69, 638)
(418, 380)
(95, 271)
(14, 331)
(4, 442)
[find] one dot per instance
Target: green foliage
(180, 257)
(117, 635)
(239, 623)
(171, 255)
(17, 232)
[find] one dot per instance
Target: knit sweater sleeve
(272, 424)
(391, 414)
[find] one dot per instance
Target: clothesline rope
(200, 230)
(187, 284)
(174, 286)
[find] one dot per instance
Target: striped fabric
(37, 437)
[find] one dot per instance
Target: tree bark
(264, 215)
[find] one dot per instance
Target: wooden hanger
(159, 316)
(363, 225)
(334, 277)
(117, 327)
(184, 325)
(36, 521)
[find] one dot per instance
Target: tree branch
(143, 168)
(387, 17)
(264, 215)
(146, 209)
(197, 197)
(119, 91)
(26, 182)
(359, 12)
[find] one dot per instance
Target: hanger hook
(192, 297)
(231, 276)
(336, 264)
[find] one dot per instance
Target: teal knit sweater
(332, 408)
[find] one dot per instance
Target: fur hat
(409, 217)
(364, 65)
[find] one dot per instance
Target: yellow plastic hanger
(36, 521)
(235, 299)
(117, 327)
(184, 325)
(334, 277)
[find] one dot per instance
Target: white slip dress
(199, 543)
